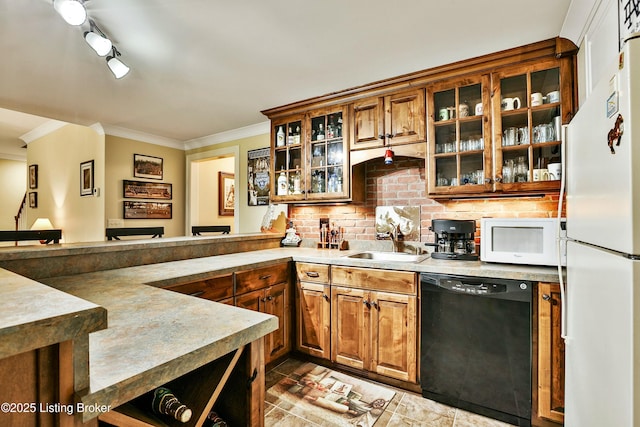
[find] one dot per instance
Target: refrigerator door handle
(559, 238)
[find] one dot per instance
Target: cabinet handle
(546, 297)
(196, 294)
(269, 298)
(264, 277)
(380, 136)
(389, 136)
(367, 303)
(375, 305)
(325, 296)
(313, 274)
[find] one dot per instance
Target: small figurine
(292, 238)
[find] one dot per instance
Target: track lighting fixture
(117, 67)
(72, 11)
(97, 39)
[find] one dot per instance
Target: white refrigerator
(602, 298)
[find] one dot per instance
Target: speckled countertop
(154, 335)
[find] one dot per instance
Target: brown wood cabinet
(550, 364)
(218, 288)
(267, 290)
(313, 310)
(312, 164)
(374, 330)
(393, 119)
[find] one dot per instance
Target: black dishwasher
(476, 345)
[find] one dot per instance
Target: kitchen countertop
(154, 335)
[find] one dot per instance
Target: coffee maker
(454, 239)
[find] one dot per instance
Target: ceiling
(201, 67)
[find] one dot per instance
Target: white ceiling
(201, 67)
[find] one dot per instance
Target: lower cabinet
(313, 310)
(268, 290)
(550, 392)
(374, 331)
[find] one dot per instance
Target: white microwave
(522, 240)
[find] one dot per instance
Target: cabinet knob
(367, 303)
(380, 136)
(375, 305)
(389, 136)
(269, 298)
(325, 296)
(546, 297)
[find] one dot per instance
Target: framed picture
(33, 199)
(86, 178)
(258, 176)
(146, 210)
(147, 166)
(33, 176)
(146, 190)
(226, 194)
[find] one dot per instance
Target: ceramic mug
(553, 96)
(541, 175)
(463, 110)
(522, 135)
(443, 114)
(511, 103)
(536, 99)
(555, 170)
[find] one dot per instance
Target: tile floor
(406, 409)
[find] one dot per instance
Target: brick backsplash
(403, 183)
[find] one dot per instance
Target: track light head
(117, 67)
(72, 11)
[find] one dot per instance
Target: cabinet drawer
(317, 273)
(374, 279)
(250, 280)
(215, 288)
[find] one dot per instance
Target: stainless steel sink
(389, 256)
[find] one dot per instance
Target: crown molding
(15, 157)
(142, 136)
(230, 135)
(42, 130)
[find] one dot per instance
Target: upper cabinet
(394, 119)
(529, 107)
(310, 156)
(460, 136)
(487, 126)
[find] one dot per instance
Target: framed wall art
(33, 176)
(258, 176)
(147, 166)
(146, 210)
(33, 199)
(226, 194)
(86, 178)
(146, 190)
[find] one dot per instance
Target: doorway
(204, 198)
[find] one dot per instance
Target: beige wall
(13, 176)
(119, 166)
(58, 156)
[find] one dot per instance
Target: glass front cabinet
(459, 136)
(528, 110)
(310, 156)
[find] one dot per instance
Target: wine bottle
(280, 137)
(166, 403)
(282, 184)
(320, 134)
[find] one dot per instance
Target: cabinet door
(550, 354)
(251, 300)
(276, 303)
(288, 157)
(328, 170)
(460, 159)
(368, 123)
(405, 117)
(350, 334)
(530, 103)
(314, 323)
(393, 329)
